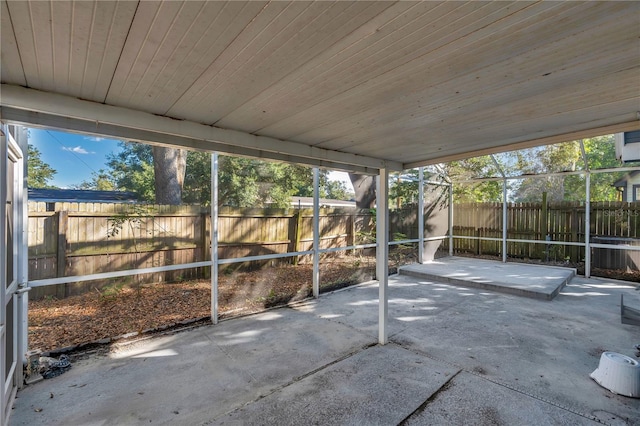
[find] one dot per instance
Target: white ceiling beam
(50, 121)
(123, 123)
(531, 143)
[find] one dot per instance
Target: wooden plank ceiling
(411, 82)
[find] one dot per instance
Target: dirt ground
(95, 316)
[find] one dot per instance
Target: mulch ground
(56, 324)
(90, 317)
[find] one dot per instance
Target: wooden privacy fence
(71, 239)
(564, 221)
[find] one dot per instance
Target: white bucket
(618, 373)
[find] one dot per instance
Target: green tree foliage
(403, 188)
(601, 154)
(563, 157)
(243, 182)
(478, 167)
(197, 179)
(100, 181)
(39, 173)
(335, 190)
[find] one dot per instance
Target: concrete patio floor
(457, 356)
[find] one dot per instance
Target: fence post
(544, 220)
(351, 231)
(61, 251)
(574, 233)
(297, 233)
(205, 243)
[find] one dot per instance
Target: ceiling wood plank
(214, 27)
(12, 68)
(148, 29)
(283, 49)
(529, 143)
(449, 101)
(399, 41)
(566, 98)
(431, 80)
(110, 24)
(254, 36)
(61, 37)
(319, 29)
(285, 94)
(352, 78)
(22, 27)
(403, 79)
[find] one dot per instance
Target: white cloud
(94, 138)
(77, 150)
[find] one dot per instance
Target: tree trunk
(169, 166)
(365, 189)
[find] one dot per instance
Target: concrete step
(534, 281)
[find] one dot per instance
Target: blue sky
(73, 156)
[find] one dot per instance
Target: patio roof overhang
(349, 85)
(362, 86)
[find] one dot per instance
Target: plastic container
(618, 373)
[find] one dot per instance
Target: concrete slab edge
(484, 286)
(291, 382)
(499, 383)
(431, 398)
(535, 265)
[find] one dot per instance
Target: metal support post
(451, 219)
(421, 215)
(504, 221)
(504, 208)
(23, 255)
(587, 212)
(382, 253)
(214, 237)
(316, 232)
(587, 228)
(4, 164)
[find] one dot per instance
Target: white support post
(504, 221)
(421, 215)
(382, 254)
(23, 255)
(587, 228)
(316, 232)
(587, 213)
(504, 209)
(4, 163)
(214, 237)
(451, 219)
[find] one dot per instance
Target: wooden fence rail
(67, 239)
(70, 239)
(617, 222)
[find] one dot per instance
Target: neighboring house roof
(624, 179)
(81, 195)
(308, 202)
